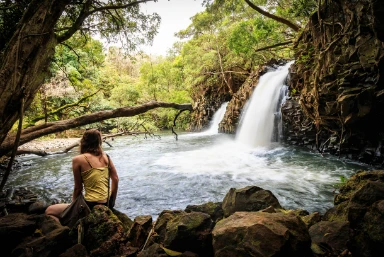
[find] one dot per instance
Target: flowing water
(258, 121)
(160, 174)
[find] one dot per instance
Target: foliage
(219, 41)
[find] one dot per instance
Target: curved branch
(115, 7)
(58, 110)
(273, 46)
(79, 21)
(85, 13)
(58, 126)
(174, 122)
(272, 16)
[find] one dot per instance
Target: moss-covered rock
(190, 232)
(247, 234)
(104, 234)
(212, 209)
(251, 198)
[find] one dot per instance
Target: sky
(175, 16)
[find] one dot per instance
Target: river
(160, 174)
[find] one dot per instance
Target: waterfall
(216, 119)
(257, 124)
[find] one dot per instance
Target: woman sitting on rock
(90, 170)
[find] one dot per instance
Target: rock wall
(336, 83)
(208, 98)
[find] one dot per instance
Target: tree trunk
(58, 126)
(26, 59)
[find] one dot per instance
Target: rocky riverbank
(49, 145)
(249, 222)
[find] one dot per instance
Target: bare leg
(55, 210)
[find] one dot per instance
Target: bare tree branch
(272, 16)
(34, 132)
(273, 46)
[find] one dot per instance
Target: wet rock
(247, 234)
(330, 236)
(251, 198)
(212, 209)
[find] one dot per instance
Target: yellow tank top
(95, 182)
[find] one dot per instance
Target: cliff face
(337, 84)
(208, 99)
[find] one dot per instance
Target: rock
(369, 238)
(140, 230)
(153, 251)
(14, 228)
(37, 207)
(47, 224)
(251, 198)
(331, 236)
(103, 232)
(190, 232)
(51, 244)
(212, 209)
(78, 250)
(311, 219)
(248, 234)
(125, 220)
(161, 224)
(360, 202)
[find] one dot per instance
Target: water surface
(159, 174)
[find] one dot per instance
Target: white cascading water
(257, 123)
(216, 119)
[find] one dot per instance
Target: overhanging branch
(272, 16)
(34, 132)
(273, 46)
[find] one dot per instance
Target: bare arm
(76, 167)
(114, 184)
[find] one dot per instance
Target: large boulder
(251, 198)
(360, 202)
(261, 234)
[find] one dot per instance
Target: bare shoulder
(77, 159)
